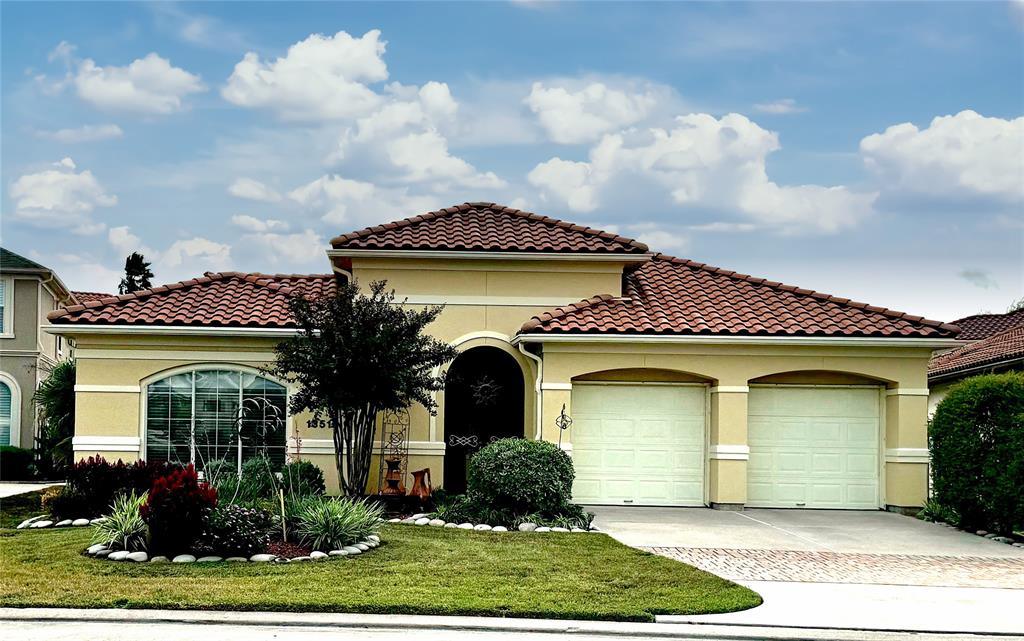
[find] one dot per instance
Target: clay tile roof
(487, 227)
(227, 299)
(676, 296)
(982, 326)
(83, 297)
(999, 348)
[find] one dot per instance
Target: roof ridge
(558, 312)
(470, 206)
(793, 289)
(991, 315)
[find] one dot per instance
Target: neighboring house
(686, 384)
(997, 345)
(28, 291)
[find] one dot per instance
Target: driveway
(13, 489)
(867, 570)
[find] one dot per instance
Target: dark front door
(483, 401)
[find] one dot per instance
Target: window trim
(12, 384)
(200, 367)
(7, 331)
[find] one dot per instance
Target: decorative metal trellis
(394, 453)
(563, 422)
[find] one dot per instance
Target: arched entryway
(483, 401)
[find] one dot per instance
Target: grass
(415, 571)
(17, 508)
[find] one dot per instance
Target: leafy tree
(1016, 305)
(357, 355)
(54, 402)
(136, 274)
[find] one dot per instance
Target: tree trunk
(353, 433)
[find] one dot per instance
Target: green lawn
(415, 571)
(17, 508)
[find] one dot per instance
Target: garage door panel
(649, 439)
(813, 447)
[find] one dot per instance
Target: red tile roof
(228, 299)
(83, 297)
(982, 326)
(677, 296)
(487, 227)
(1007, 345)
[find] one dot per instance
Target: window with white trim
(6, 408)
(6, 311)
(208, 414)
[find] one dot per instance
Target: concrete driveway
(871, 570)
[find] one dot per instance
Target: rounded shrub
(302, 478)
(176, 510)
(977, 449)
(522, 476)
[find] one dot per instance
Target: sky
(868, 150)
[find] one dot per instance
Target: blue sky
(874, 151)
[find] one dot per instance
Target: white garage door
(813, 447)
(638, 444)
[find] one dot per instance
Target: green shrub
(124, 528)
(302, 478)
(15, 463)
(329, 524)
(233, 530)
(258, 480)
(936, 512)
(521, 476)
(977, 451)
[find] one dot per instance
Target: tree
(357, 355)
(54, 402)
(1016, 306)
(136, 274)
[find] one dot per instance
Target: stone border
(424, 519)
(984, 534)
(102, 551)
(45, 521)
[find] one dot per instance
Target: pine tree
(136, 274)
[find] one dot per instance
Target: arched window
(6, 412)
(208, 414)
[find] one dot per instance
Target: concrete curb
(435, 623)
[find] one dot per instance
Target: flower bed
(102, 551)
(527, 526)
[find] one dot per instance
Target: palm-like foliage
(330, 524)
(54, 403)
(124, 528)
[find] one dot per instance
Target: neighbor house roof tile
(676, 296)
(11, 261)
(487, 227)
(982, 326)
(226, 299)
(1005, 346)
(83, 297)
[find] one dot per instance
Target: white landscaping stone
(93, 549)
(559, 529)
(374, 538)
(317, 555)
(422, 521)
(395, 520)
(481, 527)
(543, 529)
(209, 559)
(27, 522)
(465, 526)
(436, 523)
(99, 520)
(64, 523)
(120, 555)
(577, 529)
(138, 557)
(40, 524)
(80, 522)
(362, 546)
(527, 527)
(159, 559)
(102, 554)
(352, 550)
(337, 553)
(499, 528)
(262, 558)
(301, 559)
(451, 525)
(184, 558)
(237, 559)
(415, 517)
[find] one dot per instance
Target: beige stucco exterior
(486, 303)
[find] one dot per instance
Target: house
(685, 384)
(28, 291)
(996, 345)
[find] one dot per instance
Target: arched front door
(483, 401)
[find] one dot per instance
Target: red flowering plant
(176, 511)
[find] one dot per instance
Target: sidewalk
(9, 488)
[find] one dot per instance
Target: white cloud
(320, 78)
(149, 85)
(61, 198)
(783, 107)
(85, 133)
(64, 52)
(703, 163)
(196, 254)
(304, 247)
(659, 238)
(342, 201)
(981, 278)
(582, 115)
(251, 224)
(723, 227)
(250, 189)
(125, 242)
(425, 157)
(966, 155)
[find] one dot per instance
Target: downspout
(536, 388)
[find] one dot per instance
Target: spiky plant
(330, 524)
(124, 528)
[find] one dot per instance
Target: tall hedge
(977, 449)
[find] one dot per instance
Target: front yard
(416, 571)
